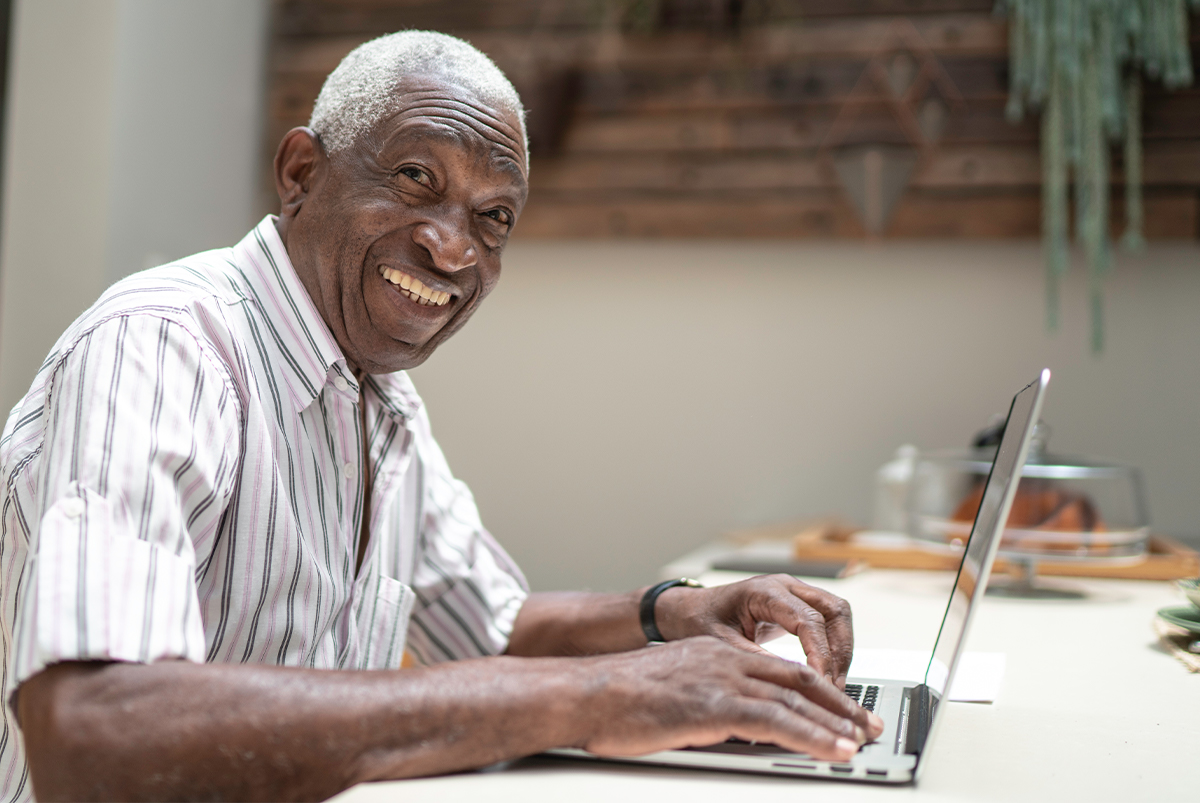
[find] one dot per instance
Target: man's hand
(701, 691)
(744, 613)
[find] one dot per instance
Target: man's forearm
(180, 730)
(592, 623)
(577, 623)
(176, 730)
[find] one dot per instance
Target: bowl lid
(1039, 463)
(1050, 466)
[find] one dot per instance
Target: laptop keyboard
(866, 698)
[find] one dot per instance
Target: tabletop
(1091, 708)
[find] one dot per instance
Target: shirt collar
(397, 395)
(309, 353)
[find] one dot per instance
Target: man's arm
(182, 730)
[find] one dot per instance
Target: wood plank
(804, 80)
(811, 215)
(800, 78)
(820, 8)
(1166, 163)
(1000, 213)
(1171, 164)
(923, 214)
(983, 122)
(773, 129)
(979, 34)
(771, 171)
(1169, 214)
(334, 17)
(373, 17)
(1174, 114)
(957, 215)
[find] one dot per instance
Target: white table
(1090, 710)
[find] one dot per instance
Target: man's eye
(416, 174)
(499, 215)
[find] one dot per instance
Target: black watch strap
(646, 610)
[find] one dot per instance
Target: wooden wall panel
(705, 128)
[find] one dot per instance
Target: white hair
(361, 91)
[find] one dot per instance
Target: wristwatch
(646, 611)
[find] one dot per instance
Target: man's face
(398, 238)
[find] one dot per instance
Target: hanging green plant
(1081, 63)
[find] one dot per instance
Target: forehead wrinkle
(500, 141)
(430, 102)
(416, 99)
(480, 125)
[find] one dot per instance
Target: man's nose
(449, 245)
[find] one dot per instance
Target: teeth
(413, 289)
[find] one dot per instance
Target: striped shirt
(183, 481)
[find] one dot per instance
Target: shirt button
(341, 384)
(73, 508)
(349, 470)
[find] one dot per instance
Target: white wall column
(133, 138)
(57, 169)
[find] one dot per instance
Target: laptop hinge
(921, 704)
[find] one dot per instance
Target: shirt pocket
(384, 623)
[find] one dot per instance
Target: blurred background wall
(637, 385)
(615, 404)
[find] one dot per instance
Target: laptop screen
(984, 540)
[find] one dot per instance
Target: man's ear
(296, 162)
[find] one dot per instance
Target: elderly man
(222, 497)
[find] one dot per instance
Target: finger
(797, 702)
(814, 687)
(784, 607)
(839, 623)
(764, 721)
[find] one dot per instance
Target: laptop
(910, 712)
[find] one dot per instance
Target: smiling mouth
(411, 287)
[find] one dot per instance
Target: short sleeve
(139, 452)
(468, 589)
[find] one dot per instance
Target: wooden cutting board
(1166, 558)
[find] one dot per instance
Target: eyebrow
(506, 164)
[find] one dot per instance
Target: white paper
(978, 679)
